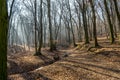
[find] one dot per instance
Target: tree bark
(35, 22)
(50, 26)
(94, 23)
(3, 39)
(73, 36)
(40, 31)
(85, 23)
(117, 12)
(109, 22)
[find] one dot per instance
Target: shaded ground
(96, 64)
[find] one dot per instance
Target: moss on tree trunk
(3, 39)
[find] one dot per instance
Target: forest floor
(102, 63)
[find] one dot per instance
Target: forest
(59, 39)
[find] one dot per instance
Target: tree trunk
(40, 32)
(113, 18)
(109, 21)
(35, 21)
(85, 24)
(73, 36)
(94, 23)
(3, 39)
(50, 26)
(117, 12)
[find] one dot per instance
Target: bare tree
(35, 22)
(109, 21)
(50, 25)
(117, 11)
(40, 31)
(70, 14)
(92, 2)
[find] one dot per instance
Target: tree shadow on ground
(34, 76)
(109, 53)
(29, 76)
(86, 67)
(111, 47)
(16, 68)
(46, 59)
(103, 47)
(12, 67)
(76, 74)
(72, 68)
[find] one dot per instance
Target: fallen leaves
(100, 64)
